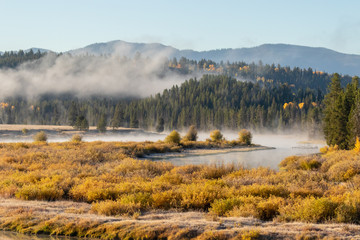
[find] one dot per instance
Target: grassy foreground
(314, 189)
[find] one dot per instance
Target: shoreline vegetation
(100, 190)
(60, 218)
(205, 151)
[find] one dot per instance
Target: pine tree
(117, 118)
(73, 114)
(353, 125)
(160, 125)
(333, 117)
(81, 123)
(101, 126)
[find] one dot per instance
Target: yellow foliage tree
(357, 145)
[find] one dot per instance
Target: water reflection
(285, 145)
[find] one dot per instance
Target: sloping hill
(320, 59)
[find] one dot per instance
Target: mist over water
(90, 136)
(285, 145)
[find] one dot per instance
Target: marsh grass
(318, 188)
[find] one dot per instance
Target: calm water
(285, 145)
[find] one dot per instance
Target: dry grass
(58, 218)
(313, 189)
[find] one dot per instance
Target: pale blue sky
(188, 24)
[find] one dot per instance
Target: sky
(188, 24)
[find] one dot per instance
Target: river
(285, 145)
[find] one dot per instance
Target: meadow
(321, 188)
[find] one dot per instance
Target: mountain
(127, 49)
(35, 50)
(320, 59)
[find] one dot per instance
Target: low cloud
(83, 76)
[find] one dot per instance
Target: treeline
(13, 59)
(223, 102)
(295, 77)
(214, 101)
(342, 113)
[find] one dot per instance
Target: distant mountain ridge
(317, 58)
(320, 59)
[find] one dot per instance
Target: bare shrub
(192, 134)
(40, 137)
(25, 131)
(76, 138)
(245, 137)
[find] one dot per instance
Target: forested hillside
(14, 59)
(296, 78)
(213, 101)
(228, 95)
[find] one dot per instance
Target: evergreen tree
(117, 118)
(352, 108)
(101, 126)
(73, 114)
(134, 122)
(353, 125)
(81, 123)
(333, 117)
(160, 125)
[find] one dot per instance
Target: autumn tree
(216, 136)
(192, 134)
(245, 136)
(173, 137)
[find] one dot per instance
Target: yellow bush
(216, 136)
(113, 208)
(311, 209)
(173, 137)
(39, 192)
(252, 234)
(166, 199)
(324, 149)
(264, 191)
(357, 145)
(221, 207)
(200, 196)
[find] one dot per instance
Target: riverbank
(205, 151)
(76, 219)
(56, 133)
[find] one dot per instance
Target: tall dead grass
(318, 188)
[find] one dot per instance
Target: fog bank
(90, 75)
